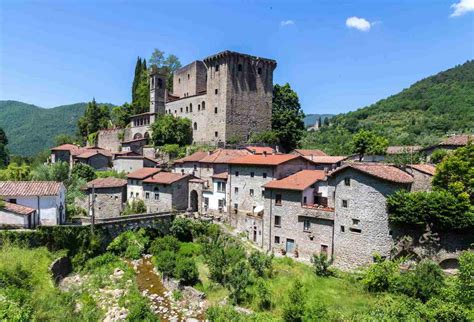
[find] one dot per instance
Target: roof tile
(297, 181)
(166, 178)
(17, 209)
(142, 173)
(381, 171)
(30, 188)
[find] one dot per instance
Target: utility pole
(93, 210)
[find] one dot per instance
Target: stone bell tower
(157, 91)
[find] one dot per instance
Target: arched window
(259, 70)
(190, 107)
(199, 107)
(152, 82)
(215, 110)
(203, 104)
(195, 126)
(239, 67)
(160, 83)
(186, 109)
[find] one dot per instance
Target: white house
(134, 182)
(216, 197)
(46, 197)
(16, 216)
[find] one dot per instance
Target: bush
(380, 275)
(130, 244)
(438, 155)
(263, 295)
(295, 307)
(182, 228)
(186, 271)
(84, 171)
(239, 279)
(321, 265)
(136, 206)
(189, 249)
(260, 263)
(165, 262)
(440, 310)
(465, 281)
(167, 243)
(391, 308)
(226, 313)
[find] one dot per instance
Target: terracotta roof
(222, 175)
(195, 157)
(298, 181)
(109, 182)
(89, 154)
(65, 147)
(381, 171)
(403, 149)
(125, 153)
(224, 156)
(259, 159)
(306, 152)
(260, 149)
(142, 173)
(29, 188)
(326, 159)
(17, 209)
(166, 178)
(138, 157)
(459, 140)
(425, 168)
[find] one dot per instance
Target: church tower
(157, 91)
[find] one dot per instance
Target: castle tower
(157, 91)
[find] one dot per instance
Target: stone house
(246, 178)
(217, 162)
(260, 149)
(326, 162)
(422, 176)
(294, 222)
(17, 216)
(190, 163)
(166, 191)
(98, 158)
(46, 197)
(130, 163)
(216, 197)
(108, 199)
(361, 227)
(451, 143)
(135, 180)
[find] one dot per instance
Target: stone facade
(361, 227)
(166, 197)
(421, 180)
(111, 139)
(97, 161)
(109, 202)
(128, 164)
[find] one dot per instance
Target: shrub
(226, 313)
(294, 308)
(260, 263)
(84, 171)
(186, 271)
(316, 312)
(102, 260)
(263, 295)
(465, 281)
(130, 244)
(321, 265)
(389, 308)
(134, 207)
(440, 310)
(238, 281)
(189, 249)
(438, 155)
(167, 243)
(380, 275)
(182, 228)
(165, 262)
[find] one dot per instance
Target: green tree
(267, 137)
(465, 281)
(326, 121)
(165, 262)
(166, 65)
(15, 172)
(134, 207)
(84, 171)
(4, 158)
(239, 280)
(168, 129)
(95, 118)
(264, 295)
(321, 265)
(294, 308)
(368, 143)
(120, 115)
(260, 263)
(320, 123)
(136, 79)
(3, 137)
(438, 155)
(186, 271)
(58, 171)
(287, 116)
(64, 139)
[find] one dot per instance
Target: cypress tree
(136, 79)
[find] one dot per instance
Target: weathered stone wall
(60, 268)
(422, 181)
(109, 202)
(110, 139)
(149, 152)
(361, 229)
(190, 79)
(98, 162)
(308, 242)
(172, 196)
(60, 156)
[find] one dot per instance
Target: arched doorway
(137, 136)
(194, 201)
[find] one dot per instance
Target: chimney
(264, 153)
(277, 149)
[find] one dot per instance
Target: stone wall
(361, 229)
(98, 162)
(170, 197)
(190, 79)
(110, 139)
(422, 181)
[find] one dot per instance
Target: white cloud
(358, 23)
(462, 7)
(285, 23)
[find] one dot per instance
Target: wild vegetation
(421, 114)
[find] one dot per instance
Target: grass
(214, 291)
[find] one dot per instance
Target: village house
(47, 198)
(422, 176)
(17, 216)
(361, 227)
(134, 182)
(190, 163)
(216, 197)
(107, 195)
(130, 163)
(260, 149)
(98, 158)
(297, 220)
(166, 191)
(308, 152)
(326, 162)
(451, 143)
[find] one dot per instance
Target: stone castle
(227, 96)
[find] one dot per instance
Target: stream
(163, 304)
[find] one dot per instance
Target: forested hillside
(311, 119)
(421, 114)
(31, 129)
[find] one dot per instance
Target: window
(131, 194)
(239, 67)
(277, 239)
(278, 199)
(188, 76)
(355, 230)
(179, 80)
(221, 186)
(181, 110)
(277, 221)
(236, 206)
(160, 83)
(182, 171)
(206, 202)
(263, 193)
(236, 190)
(324, 249)
(345, 203)
(195, 167)
(347, 181)
(203, 104)
(217, 68)
(264, 175)
(343, 229)
(221, 203)
(259, 70)
(236, 173)
(216, 134)
(136, 195)
(355, 222)
(147, 195)
(306, 225)
(195, 126)
(251, 192)
(157, 196)
(305, 200)
(186, 109)
(215, 110)
(216, 91)
(199, 107)
(252, 174)
(190, 107)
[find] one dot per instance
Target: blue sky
(337, 55)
